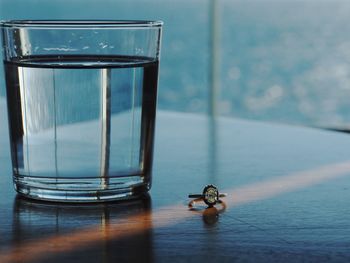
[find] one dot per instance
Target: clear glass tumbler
(81, 101)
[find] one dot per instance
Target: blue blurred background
(285, 61)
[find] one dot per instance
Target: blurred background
(284, 61)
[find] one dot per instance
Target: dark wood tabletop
(288, 201)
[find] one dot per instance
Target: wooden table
(288, 201)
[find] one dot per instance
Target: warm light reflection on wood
(110, 229)
(33, 250)
(287, 183)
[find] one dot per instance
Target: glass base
(82, 190)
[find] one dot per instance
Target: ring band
(202, 196)
(219, 211)
(192, 202)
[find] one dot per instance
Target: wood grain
(288, 201)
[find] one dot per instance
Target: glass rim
(80, 23)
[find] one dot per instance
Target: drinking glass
(81, 99)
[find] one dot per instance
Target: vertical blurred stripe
(214, 58)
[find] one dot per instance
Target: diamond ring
(210, 196)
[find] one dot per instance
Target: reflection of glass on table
(97, 230)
